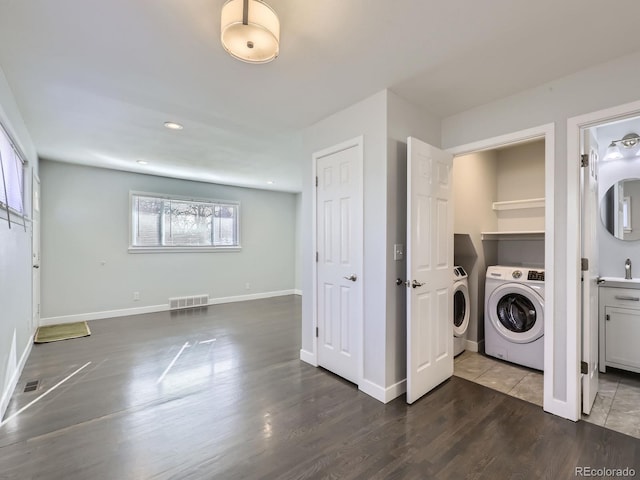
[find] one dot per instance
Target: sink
(620, 282)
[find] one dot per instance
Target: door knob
(353, 277)
(416, 284)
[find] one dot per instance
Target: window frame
(182, 248)
(7, 212)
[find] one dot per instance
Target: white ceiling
(95, 80)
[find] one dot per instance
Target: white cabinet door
(429, 268)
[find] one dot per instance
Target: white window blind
(12, 173)
(165, 223)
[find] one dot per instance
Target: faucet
(627, 269)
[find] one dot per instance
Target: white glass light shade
(613, 152)
(256, 42)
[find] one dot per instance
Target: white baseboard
(474, 346)
(252, 296)
(384, 395)
(81, 317)
(11, 386)
(308, 357)
(297, 292)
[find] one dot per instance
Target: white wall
(521, 177)
(366, 118)
(385, 121)
(85, 230)
(475, 185)
(15, 263)
(403, 120)
(602, 86)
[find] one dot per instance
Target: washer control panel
(536, 275)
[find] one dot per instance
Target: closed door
(429, 266)
(339, 214)
(35, 252)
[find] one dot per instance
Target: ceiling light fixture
(629, 141)
(173, 125)
(250, 31)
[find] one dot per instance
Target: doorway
(513, 230)
(35, 252)
(610, 310)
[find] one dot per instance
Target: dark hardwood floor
(245, 407)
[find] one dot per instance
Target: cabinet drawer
(620, 297)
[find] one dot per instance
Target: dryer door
(517, 312)
(460, 309)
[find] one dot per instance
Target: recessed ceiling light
(142, 162)
(173, 125)
(270, 182)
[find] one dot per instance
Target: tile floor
(617, 404)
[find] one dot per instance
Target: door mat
(54, 333)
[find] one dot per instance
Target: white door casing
(35, 252)
(589, 246)
(339, 240)
(429, 268)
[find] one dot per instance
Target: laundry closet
(499, 217)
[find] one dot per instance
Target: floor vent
(31, 386)
(177, 303)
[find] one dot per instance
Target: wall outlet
(136, 296)
(247, 286)
(398, 251)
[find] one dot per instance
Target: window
(11, 177)
(180, 224)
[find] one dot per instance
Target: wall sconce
(628, 142)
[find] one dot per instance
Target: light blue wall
(15, 261)
(85, 230)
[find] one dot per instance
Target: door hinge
(317, 332)
(317, 257)
(316, 181)
(584, 368)
(584, 264)
(584, 160)
(608, 317)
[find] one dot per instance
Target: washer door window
(460, 309)
(517, 313)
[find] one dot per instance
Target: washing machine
(514, 315)
(461, 303)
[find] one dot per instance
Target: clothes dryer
(461, 307)
(514, 315)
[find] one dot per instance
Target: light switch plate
(398, 251)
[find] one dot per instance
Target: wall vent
(177, 303)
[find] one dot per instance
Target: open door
(429, 268)
(589, 199)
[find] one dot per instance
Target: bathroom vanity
(619, 316)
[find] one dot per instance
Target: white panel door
(339, 216)
(589, 194)
(35, 252)
(429, 268)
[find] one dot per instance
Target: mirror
(620, 209)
